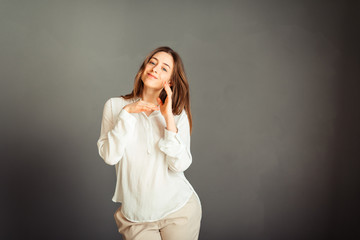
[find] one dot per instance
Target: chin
(149, 84)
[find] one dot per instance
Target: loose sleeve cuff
(171, 144)
(169, 135)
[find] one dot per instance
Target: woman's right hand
(140, 106)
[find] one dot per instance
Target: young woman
(146, 135)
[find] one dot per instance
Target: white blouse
(149, 160)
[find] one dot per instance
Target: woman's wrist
(170, 123)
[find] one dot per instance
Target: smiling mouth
(152, 76)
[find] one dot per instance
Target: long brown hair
(179, 86)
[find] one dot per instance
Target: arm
(176, 145)
(114, 135)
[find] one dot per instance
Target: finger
(159, 101)
(147, 108)
(144, 108)
(151, 105)
(167, 89)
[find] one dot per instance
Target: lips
(152, 76)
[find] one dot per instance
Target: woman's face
(158, 70)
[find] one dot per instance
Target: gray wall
(275, 103)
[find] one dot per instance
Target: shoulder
(183, 113)
(182, 117)
(117, 103)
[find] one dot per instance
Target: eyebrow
(164, 63)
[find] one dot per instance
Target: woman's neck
(150, 95)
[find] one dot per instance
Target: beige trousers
(183, 224)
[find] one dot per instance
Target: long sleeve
(176, 146)
(114, 134)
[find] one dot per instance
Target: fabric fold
(176, 146)
(114, 135)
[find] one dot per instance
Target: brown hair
(179, 86)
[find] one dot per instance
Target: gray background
(275, 103)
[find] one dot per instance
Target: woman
(146, 135)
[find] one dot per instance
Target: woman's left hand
(166, 108)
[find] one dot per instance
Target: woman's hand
(140, 106)
(166, 108)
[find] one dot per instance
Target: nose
(155, 68)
